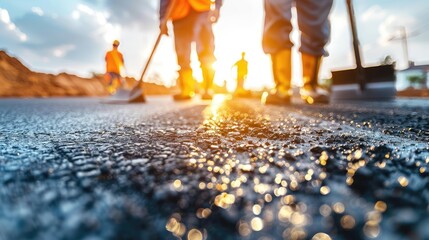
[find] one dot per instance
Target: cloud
(61, 51)
(392, 25)
(65, 42)
(38, 11)
(9, 33)
(374, 13)
(131, 13)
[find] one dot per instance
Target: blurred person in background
(242, 71)
(114, 65)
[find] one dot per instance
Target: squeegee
(362, 84)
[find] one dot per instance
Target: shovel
(362, 84)
(136, 94)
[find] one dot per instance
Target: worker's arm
(218, 4)
(163, 7)
(235, 64)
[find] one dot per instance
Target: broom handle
(158, 39)
(356, 46)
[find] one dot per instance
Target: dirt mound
(16, 80)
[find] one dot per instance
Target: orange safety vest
(114, 61)
(183, 7)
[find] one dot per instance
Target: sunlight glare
(217, 102)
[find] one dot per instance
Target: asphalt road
(227, 169)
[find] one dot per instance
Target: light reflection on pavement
(232, 169)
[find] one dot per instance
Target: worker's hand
(214, 15)
(163, 28)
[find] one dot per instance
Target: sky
(73, 36)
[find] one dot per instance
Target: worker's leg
(314, 25)
(276, 42)
(109, 76)
(205, 49)
(114, 82)
(183, 38)
(118, 79)
(240, 83)
(277, 25)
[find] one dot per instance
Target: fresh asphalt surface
(227, 169)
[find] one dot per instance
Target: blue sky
(73, 35)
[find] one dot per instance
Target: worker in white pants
(314, 26)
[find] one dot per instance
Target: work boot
(207, 96)
(180, 97)
(242, 93)
(208, 77)
(310, 92)
(187, 88)
(282, 72)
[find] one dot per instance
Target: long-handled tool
(362, 84)
(136, 94)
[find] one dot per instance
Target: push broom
(362, 84)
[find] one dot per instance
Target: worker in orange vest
(114, 65)
(192, 22)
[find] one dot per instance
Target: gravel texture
(226, 169)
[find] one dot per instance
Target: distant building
(414, 70)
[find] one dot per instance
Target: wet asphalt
(226, 169)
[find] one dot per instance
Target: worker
(242, 70)
(314, 25)
(192, 22)
(114, 65)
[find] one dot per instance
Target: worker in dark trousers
(314, 26)
(192, 22)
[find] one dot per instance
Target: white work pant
(313, 24)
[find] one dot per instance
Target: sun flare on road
(211, 113)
